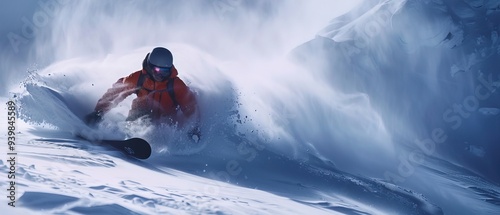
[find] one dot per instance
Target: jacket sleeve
(185, 97)
(116, 94)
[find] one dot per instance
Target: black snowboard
(135, 147)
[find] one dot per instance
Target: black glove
(93, 118)
(195, 134)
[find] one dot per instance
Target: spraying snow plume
(241, 46)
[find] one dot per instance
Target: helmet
(159, 63)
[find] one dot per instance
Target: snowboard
(135, 147)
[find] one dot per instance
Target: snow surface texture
(391, 108)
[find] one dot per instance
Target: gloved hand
(93, 118)
(195, 134)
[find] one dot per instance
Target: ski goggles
(162, 71)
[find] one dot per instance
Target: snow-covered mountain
(320, 107)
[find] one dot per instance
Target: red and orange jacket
(153, 97)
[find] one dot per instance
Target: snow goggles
(163, 71)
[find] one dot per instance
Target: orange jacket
(153, 98)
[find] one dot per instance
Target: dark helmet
(159, 63)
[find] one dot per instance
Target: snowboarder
(161, 95)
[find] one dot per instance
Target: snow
(81, 182)
(390, 108)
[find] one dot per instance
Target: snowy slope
(61, 175)
(293, 123)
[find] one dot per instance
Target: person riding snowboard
(161, 95)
